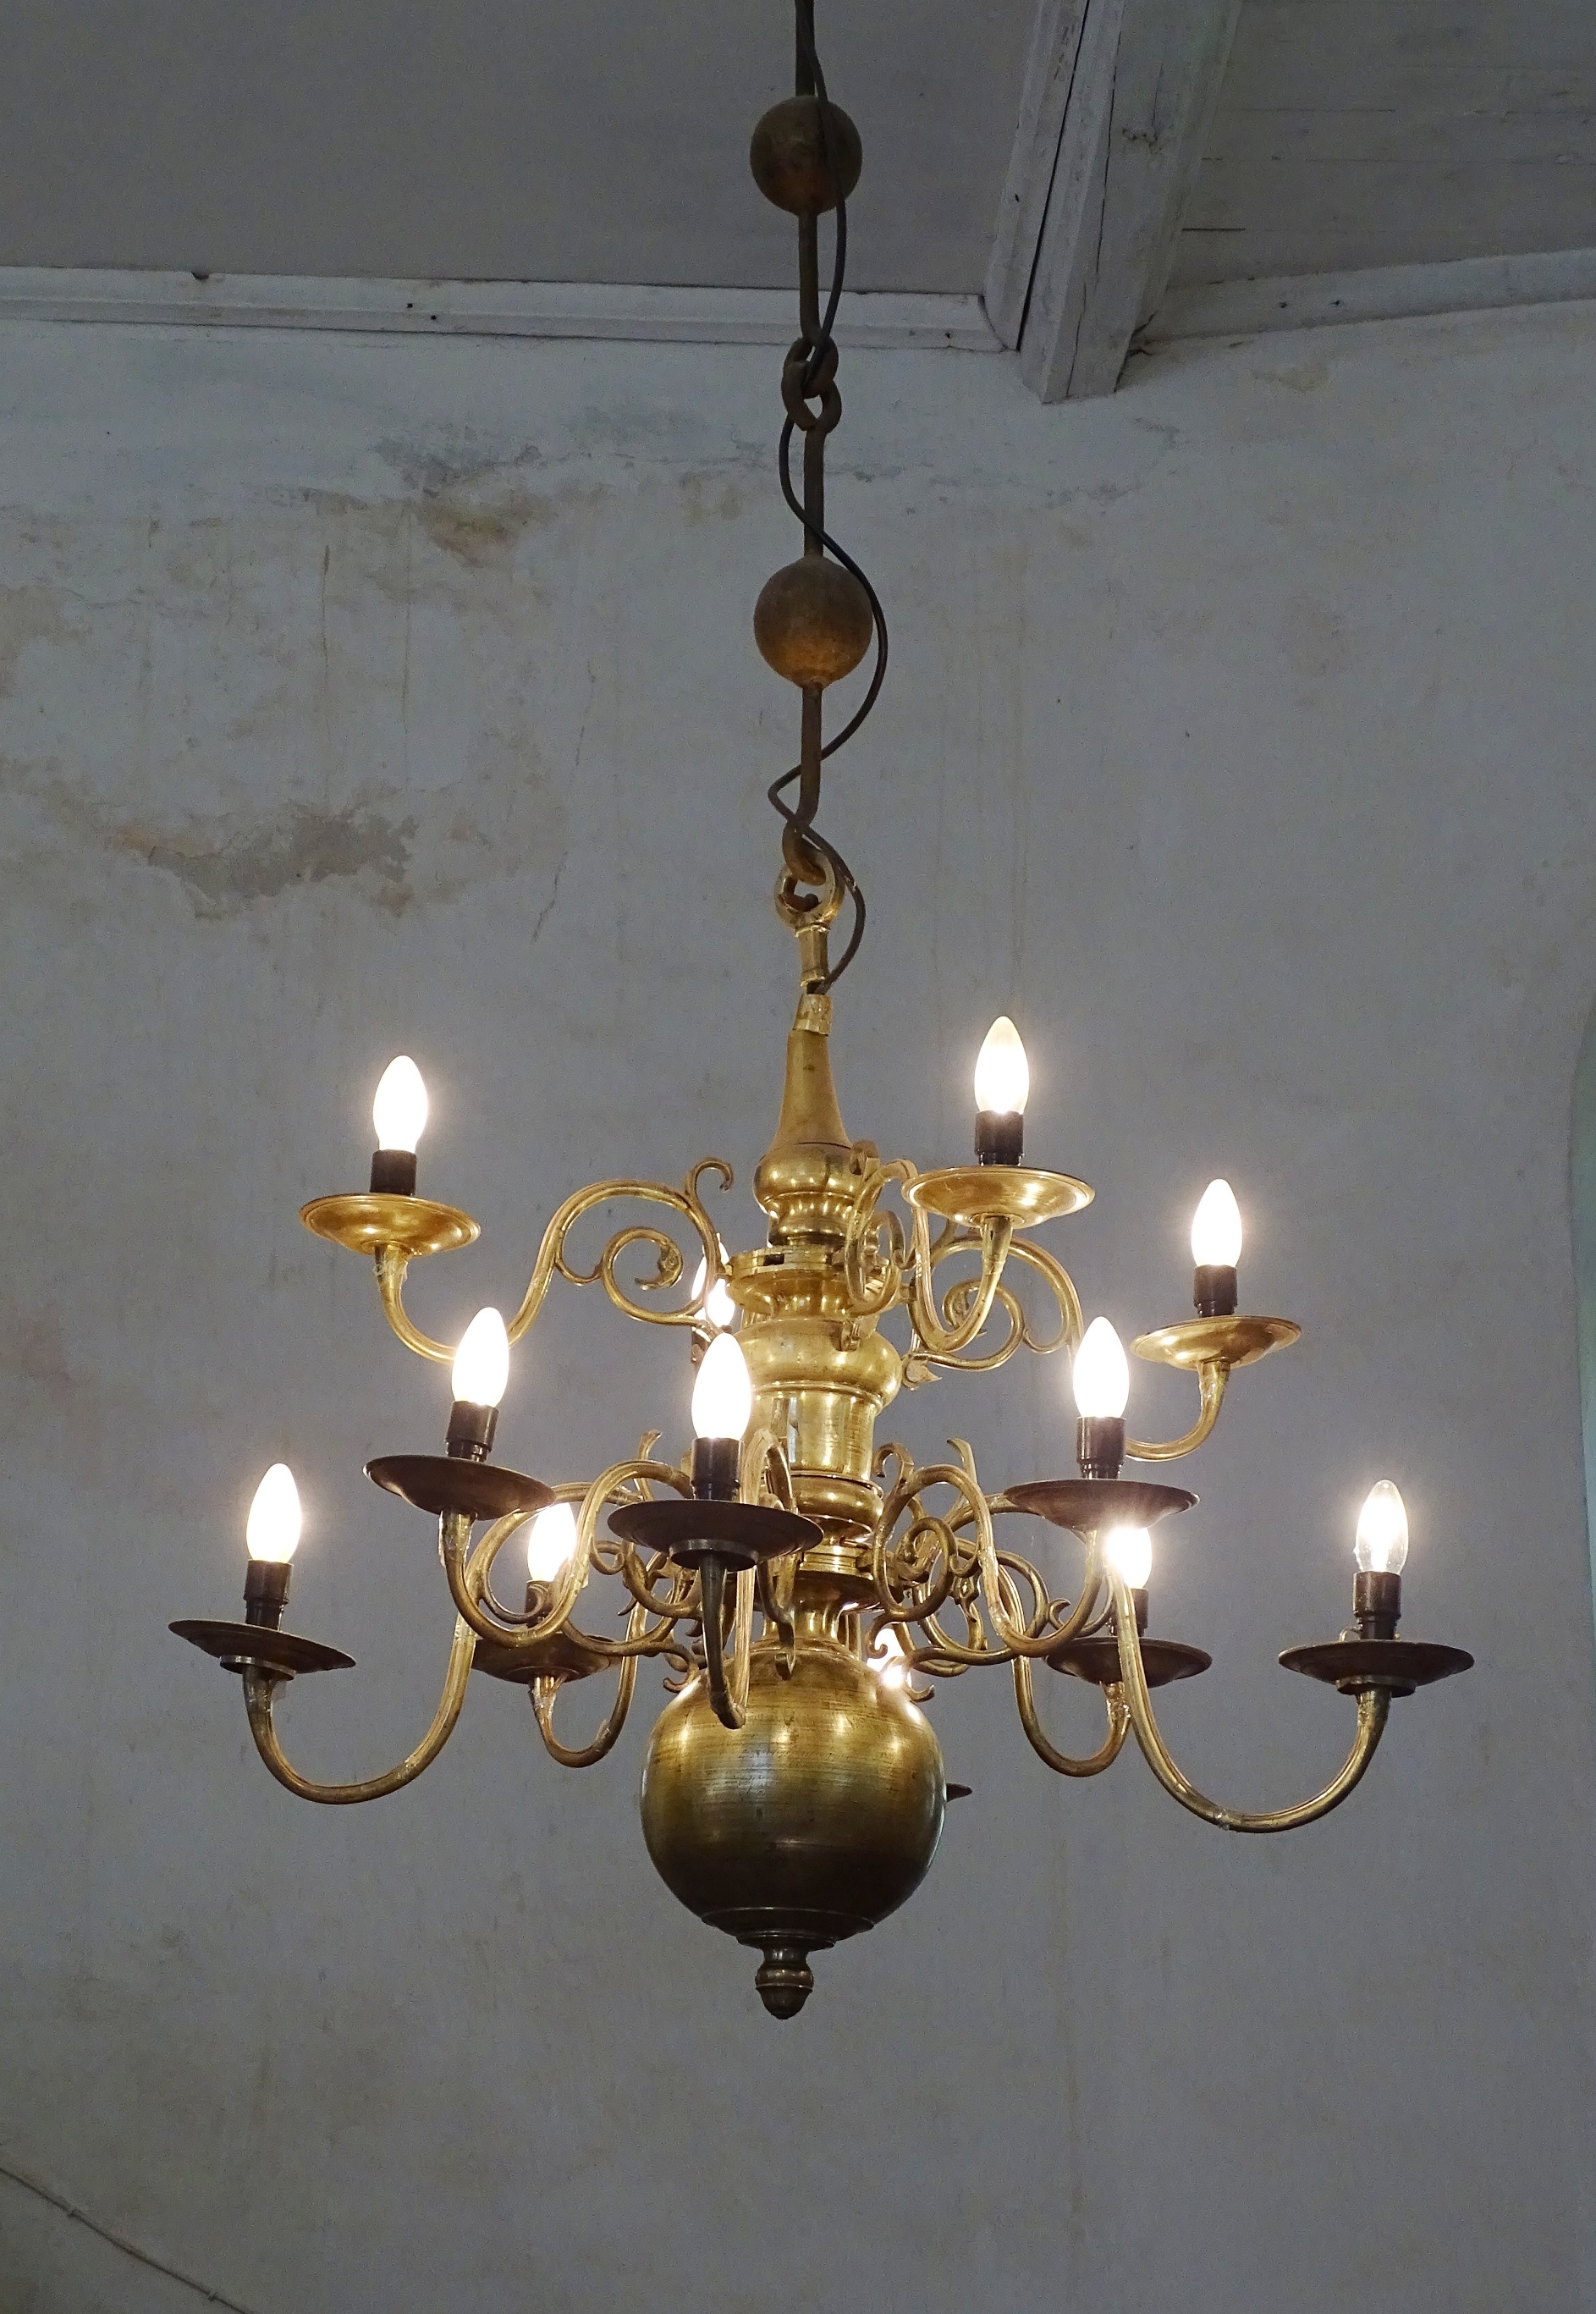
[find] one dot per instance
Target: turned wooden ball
(787, 156)
(813, 622)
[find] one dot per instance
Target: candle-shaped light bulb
(719, 1310)
(1216, 1247)
(1101, 1375)
(1381, 1547)
(483, 1362)
(1002, 1074)
(1128, 1550)
(399, 1112)
(723, 1394)
(272, 1533)
(550, 1541)
(1216, 1228)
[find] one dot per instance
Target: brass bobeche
(793, 1791)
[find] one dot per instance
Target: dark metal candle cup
(1377, 1604)
(716, 1464)
(1213, 1290)
(266, 1593)
(471, 1431)
(999, 1136)
(393, 1173)
(1100, 1445)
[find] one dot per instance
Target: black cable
(823, 346)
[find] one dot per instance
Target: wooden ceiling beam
(1114, 114)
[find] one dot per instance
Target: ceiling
(1354, 133)
(490, 138)
(605, 143)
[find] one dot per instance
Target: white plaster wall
(360, 696)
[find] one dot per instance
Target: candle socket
(1377, 1604)
(1100, 1445)
(716, 1468)
(266, 1593)
(1213, 1290)
(1139, 1602)
(471, 1431)
(999, 1136)
(392, 1172)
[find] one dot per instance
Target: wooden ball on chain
(813, 622)
(787, 156)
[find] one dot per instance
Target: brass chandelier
(804, 1587)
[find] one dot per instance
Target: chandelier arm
(935, 1657)
(1213, 1376)
(1374, 1706)
(1017, 1639)
(258, 1692)
(1071, 1317)
(466, 1578)
(997, 1231)
(639, 1581)
(865, 1230)
(545, 1694)
(551, 1258)
(1063, 1763)
(727, 1687)
(392, 1261)
(765, 1469)
(996, 1584)
(928, 1596)
(1003, 1299)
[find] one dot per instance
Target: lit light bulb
(483, 1362)
(1002, 1074)
(723, 1394)
(887, 1659)
(399, 1112)
(719, 1310)
(550, 1541)
(273, 1529)
(1381, 1547)
(1128, 1550)
(1101, 1376)
(1216, 1228)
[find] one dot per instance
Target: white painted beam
(1139, 79)
(1377, 293)
(1050, 70)
(506, 309)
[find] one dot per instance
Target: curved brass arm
(685, 1201)
(392, 1261)
(997, 1588)
(876, 1234)
(545, 1694)
(1211, 1377)
(1373, 1709)
(997, 1231)
(466, 1577)
(258, 1688)
(1119, 1725)
(727, 1688)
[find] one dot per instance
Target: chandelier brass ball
(786, 154)
(813, 622)
(810, 1823)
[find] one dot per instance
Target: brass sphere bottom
(810, 1823)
